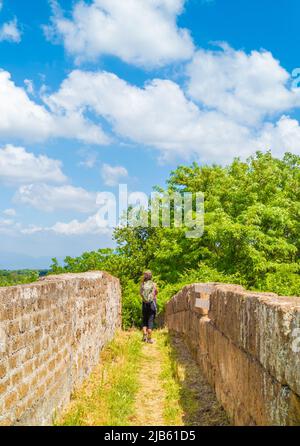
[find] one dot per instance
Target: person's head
(147, 276)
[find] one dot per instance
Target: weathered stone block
(264, 325)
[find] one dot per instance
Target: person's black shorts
(149, 313)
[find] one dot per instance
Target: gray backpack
(148, 291)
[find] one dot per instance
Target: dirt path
(172, 389)
(139, 384)
(149, 402)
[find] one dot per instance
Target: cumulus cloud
(18, 166)
(29, 85)
(10, 212)
(283, 136)
(76, 227)
(8, 226)
(24, 119)
(248, 110)
(160, 115)
(89, 158)
(245, 87)
(49, 198)
(31, 229)
(140, 32)
(112, 175)
(9, 31)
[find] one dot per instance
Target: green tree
(251, 235)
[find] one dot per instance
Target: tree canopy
(10, 278)
(251, 236)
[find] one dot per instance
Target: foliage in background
(10, 278)
(252, 223)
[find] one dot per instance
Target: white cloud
(29, 85)
(283, 136)
(31, 230)
(88, 227)
(6, 222)
(10, 32)
(245, 87)
(7, 226)
(160, 115)
(252, 93)
(91, 226)
(18, 166)
(112, 175)
(141, 32)
(89, 158)
(75, 227)
(51, 198)
(22, 118)
(10, 212)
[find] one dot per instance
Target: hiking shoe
(150, 341)
(145, 339)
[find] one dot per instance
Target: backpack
(148, 291)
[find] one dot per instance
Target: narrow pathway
(172, 390)
(149, 401)
(139, 384)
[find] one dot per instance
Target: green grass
(107, 397)
(170, 381)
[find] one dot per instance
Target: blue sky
(102, 92)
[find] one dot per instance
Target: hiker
(149, 295)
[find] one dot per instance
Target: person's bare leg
(150, 336)
(145, 332)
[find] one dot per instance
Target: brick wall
(246, 345)
(51, 335)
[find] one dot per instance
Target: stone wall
(248, 347)
(51, 336)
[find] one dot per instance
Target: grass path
(149, 400)
(139, 384)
